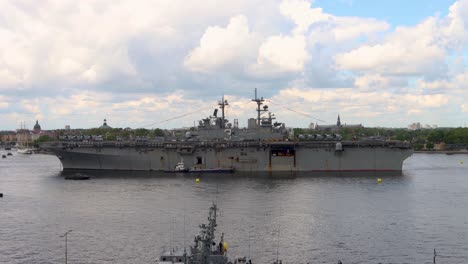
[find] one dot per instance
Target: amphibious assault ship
(263, 146)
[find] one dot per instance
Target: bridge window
(283, 152)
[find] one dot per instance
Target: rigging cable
(176, 117)
(297, 112)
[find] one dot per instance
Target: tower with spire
(105, 125)
(37, 127)
(338, 122)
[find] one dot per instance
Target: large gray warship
(263, 146)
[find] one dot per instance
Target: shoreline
(447, 152)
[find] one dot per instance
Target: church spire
(338, 121)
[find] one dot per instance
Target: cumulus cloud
(97, 42)
(435, 85)
(3, 102)
(80, 62)
(341, 30)
(281, 54)
(303, 15)
(223, 46)
(464, 108)
(420, 49)
(383, 107)
(409, 50)
(370, 82)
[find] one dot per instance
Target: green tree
(141, 132)
(157, 132)
(436, 136)
(42, 139)
(418, 146)
(298, 131)
(110, 136)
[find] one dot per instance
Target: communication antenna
(249, 240)
(259, 110)
(279, 233)
(222, 104)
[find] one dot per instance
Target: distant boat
(24, 150)
(23, 145)
(180, 168)
(77, 176)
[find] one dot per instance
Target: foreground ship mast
(205, 250)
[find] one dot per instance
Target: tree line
(418, 138)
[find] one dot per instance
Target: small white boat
(179, 167)
(24, 150)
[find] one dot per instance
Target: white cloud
(436, 85)
(57, 59)
(3, 102)
(408, 50)
(341, 30)
(281, 54)
(371, 82)
(421, 49)
(89, 43)
(348, 98)
(223, 46)
(349, 28)
(302, 14)
(464, 108)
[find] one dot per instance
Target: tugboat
(180, 167)
(205, 250)
(77, 177)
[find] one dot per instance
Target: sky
(166, 63)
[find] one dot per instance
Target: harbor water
(129, 217)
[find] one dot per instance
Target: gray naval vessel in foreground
(205, 250)
(264, 146)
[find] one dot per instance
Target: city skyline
(140, 64)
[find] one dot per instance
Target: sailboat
(23, 144)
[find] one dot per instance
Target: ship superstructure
(263, 146)
(205, 250)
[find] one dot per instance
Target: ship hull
(244, 157)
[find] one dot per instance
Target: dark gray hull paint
(247, 158)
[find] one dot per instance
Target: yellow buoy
(197, 180)
(225, 246)
(379, 180)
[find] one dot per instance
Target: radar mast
(259, 110)
(222, 104)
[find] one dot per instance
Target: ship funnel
(215, 113)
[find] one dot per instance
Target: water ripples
(128, 217)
